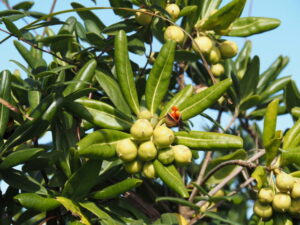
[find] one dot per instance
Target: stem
(235, 116)
(51, 11)
(12, 108)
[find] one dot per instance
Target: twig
(236, 114)
(251, 132)
(12, 108)
(201, 175)
(51, 11)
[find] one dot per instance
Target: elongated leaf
(289, 156)
(201, 101)
(270, 122)
(249, 81)
(188, 10)
(24, 5)
(10, 12)
(292, 137)
(291, 95)
(296, 112)
(201, 140)
(55, 38)
(72, 206)
(37, 202)
(275, 86)
(247, 26)
(273, 146)
(124, 71)
(260, 176)
(112, 89)
(208, 7)
(19, 157)
(259, 113)
(11, 27)
(178, 99)
(171, 180)
(160, 75)
(178, 201)
(242, 59)
(113, 191)
(26, 54)
(249, 102)
(217, 217)
(100, 144)
(5, 89)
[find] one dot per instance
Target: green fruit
(219, 193)
(281, 202)
(173, 10)
(264, 211)
(284, 182)
(295, 193)
(182, 154)
(141, 130)
(163, 137)
(295, 206)
(126, 150)
(214, 55)
(266, 195)
(143, 18)
(217, 69)
(146, 114)
(147, 151)
(174, 33)
(149, 170)
(134, 166)
(166, 156)
(228, 49)
(204, 44)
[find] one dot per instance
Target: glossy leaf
(208, 7)
(124, 71)
(261, 112)
(37, 202)
(55, 38)
(5, 89)
(25, 5)
(160, 76)
(242, 59)
(113, 191)
(247, 26)
(10, 12)
(170, 179)
(270, 122)
(249, 102)
(12, 28)
(188, 10)
(201, 140)
(260, 176)
(292, 137)
(273, 147)
(275, 86)
(179, 201)
(291, 95)
(26, 54)
(289, 156)
(201, 101)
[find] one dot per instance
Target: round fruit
(173, 10)
(149, 170)
(126, 150)
(281, 202)
(217, 69)
(264, 211)
(141, 130)
(166, 156)
(182, 154)
(219, 193)
(266, 195)
(143, 18)
(174, 33)
(163, 137)
(204, 44)
(134, 166)
(147, 151)
(228, 49)
(145, 114)
(295, 193)
(284, 182)
(295, 206)
(214, 55)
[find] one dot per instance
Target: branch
(251, 132)
(51, 11)
(236, 114)
(12, 108)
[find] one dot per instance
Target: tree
(123, 149)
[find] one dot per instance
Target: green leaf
(12, 28)
(26, 54)
(249, 102)
(291, 95)
(37, 202)
(188, 10)
(184, 55)
(296, 112)
(179, 201)
(121, 4)
(100, 114)
(290, 156)
(247, 26)
(124, 71)
(10, 12)
(178, 99)
(273, 146)
(74, 208)
(217, 217)
(270, 122)
(112, 89)
(19, 157)
(260, 176)
(204, 99)
(208, 7)
(201, 140)
(55, 38)
(25, 5)
(113, 191)
(242, 59)
(82, 181)
(159, 77)
(171, 180)
(100, 144)
(260, 113)
(85, 74)
(5, 89)
(292, 137)
(275, 86)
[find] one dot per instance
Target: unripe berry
(134, 166)
(145, 114)
(295, 193)
(295, 206)
(182, 154)
(219, 193)
(284, 182)
(173, 10)
(166, 156)
(143, 18)
(217, 69)
(174, 33)
(205, 44)
(163, 137)
(214, 55)
(266, 195)
(281, 202)
(149, 170)
(228, 49)
(264, 211)
(141, 130)
(147, 151)
(126, 150)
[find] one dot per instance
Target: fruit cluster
(149, 143)
(285, 198)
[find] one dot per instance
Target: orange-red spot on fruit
(174, 108)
